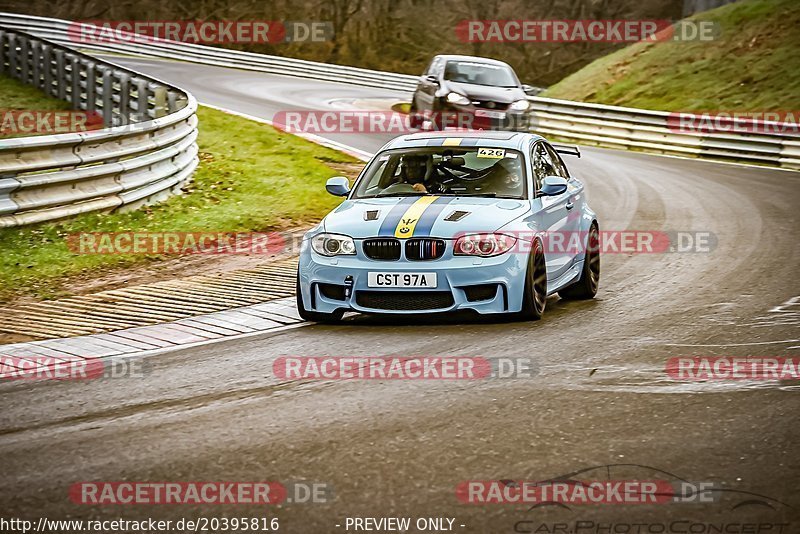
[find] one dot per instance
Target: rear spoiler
(568, 150)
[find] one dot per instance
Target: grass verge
(17, 96)
(251, 177)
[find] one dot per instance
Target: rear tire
(534, 296)
(586, 286)
(317, 317)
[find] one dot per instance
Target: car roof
(476, 59)
(494, 139)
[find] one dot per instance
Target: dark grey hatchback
(474, 92)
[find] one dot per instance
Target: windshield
(468, 171)
(480, 74)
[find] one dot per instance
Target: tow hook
(348, 286)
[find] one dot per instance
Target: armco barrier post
(75, 77)
(91, 87)
(160, 101)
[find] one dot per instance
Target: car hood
(505, 95)
(427, 216)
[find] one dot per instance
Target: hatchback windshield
(468, 171)
(479, 74)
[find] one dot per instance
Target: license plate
(416, 280)
(490, 114)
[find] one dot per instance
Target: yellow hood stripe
(409, 220)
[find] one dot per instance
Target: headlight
(456, 98)
(519, 105)
(333, 245)
(483, 245)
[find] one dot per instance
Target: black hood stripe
(393, 217)
(431, 215)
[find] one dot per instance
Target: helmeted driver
(416, 169)
(505, 178)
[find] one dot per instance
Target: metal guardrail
(658, 131)
(146, 151)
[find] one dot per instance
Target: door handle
(570, 205)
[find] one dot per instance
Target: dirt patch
(7, 339)
(351, 170)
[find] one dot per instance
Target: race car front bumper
(485, 285)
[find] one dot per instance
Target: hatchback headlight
(484, 245)
(333, 245)
(519, 105)
(457, 98)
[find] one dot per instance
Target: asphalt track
(399, 448)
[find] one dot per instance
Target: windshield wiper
(451, 194)
(384, 195)
(483, 84)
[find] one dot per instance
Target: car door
(574, 206)
(427, 86)
(556, 215)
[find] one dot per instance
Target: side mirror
(529, 89)
(432, 79)
(338, 186)
(553, 186)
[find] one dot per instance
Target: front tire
(586, 286)
(316, 317)
(534, 296)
